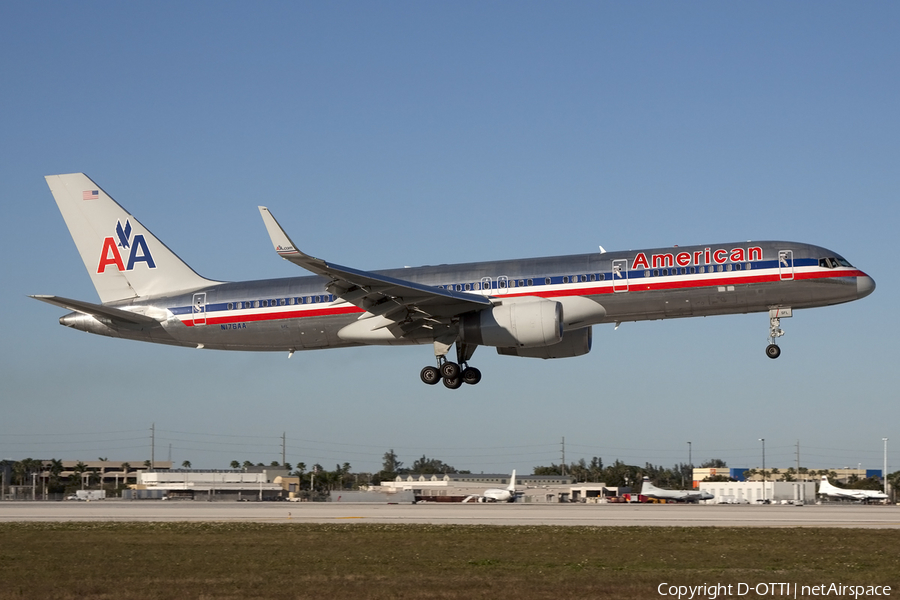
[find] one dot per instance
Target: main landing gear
(453, 374)
(775, 331)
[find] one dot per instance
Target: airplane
(827, 489)
(651, 491)
(507, 494)
(538, 307)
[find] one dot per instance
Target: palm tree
(235, 465)
(79, 470)
(55, 470)
(186, 464)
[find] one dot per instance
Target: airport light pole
(763, 440)
(884, 470)
(690, 466)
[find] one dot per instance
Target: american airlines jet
(536, 307)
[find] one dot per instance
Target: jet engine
(520, 323)
(574, 343)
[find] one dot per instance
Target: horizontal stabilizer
(97, 310)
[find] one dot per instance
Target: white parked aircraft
(651, 491)
(507, 494)
(538, 307)
(827, 489)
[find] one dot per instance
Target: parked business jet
(537, 307)
(827, 489)
(507, 494)
(651, 491)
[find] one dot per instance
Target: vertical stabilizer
(512, 483)
(647, 487)
(825, 486)
(122, 257)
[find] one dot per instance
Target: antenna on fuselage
(602, 249)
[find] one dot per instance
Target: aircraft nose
(865, 285)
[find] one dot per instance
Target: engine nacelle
(574, 343)
(520, 323)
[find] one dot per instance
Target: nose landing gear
(775, 331)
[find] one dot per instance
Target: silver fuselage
(298, 313)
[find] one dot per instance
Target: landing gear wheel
(453, 384)
(450, 370)
(773, 351)
(430, 375)
(471, 375)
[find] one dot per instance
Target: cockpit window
(833, 263)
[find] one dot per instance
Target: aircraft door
(620, 275)
(198, 308)
(786, 264)
(485, 286)
(502, 284)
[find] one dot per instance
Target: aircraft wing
(98, 310)
(397, 300)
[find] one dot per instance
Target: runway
(600, 515)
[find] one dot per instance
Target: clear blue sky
(405, 133)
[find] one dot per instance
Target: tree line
(318, 479)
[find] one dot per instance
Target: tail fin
(512, 482)
(122, 257)
(646, 486)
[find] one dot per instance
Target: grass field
(125, 561)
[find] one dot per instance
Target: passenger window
(547, 281)
(468, 287)
(230, 306)
(521, 283)
(530, 282)
(281, 302)
(256, 304)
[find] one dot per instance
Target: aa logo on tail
(135, 247)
